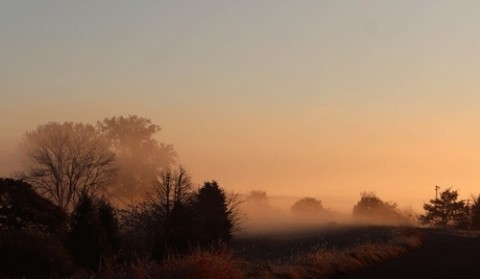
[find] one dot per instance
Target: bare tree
(172, 187)
(66, 160)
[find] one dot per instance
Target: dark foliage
(33, 254)
(158, 228)
(212, 216)
(94, 234)
(22, 208)
(475, 211)
(446, 211)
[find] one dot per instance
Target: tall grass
(329, 263)
(221, 263)
(199, 264)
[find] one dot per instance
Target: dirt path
(444, 254)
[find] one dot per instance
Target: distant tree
(140, 158)
(22, 208)
(475, 211)
(446, 211)
(257, 197)
(307, 207)
(65, 160)
(370, 207)
(212, 216)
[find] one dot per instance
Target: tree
(172, 188)
(372, 208)
(66, 160)
(140, 158)
(446, 211)
(31, 228)
(257, 198)
(163, 222)
(94, 234)
(475, 211)
(212, 216)
(22, 208)
(307, 207)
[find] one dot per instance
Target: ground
(443, 254)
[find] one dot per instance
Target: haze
(297, 98)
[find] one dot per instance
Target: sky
(297, 98)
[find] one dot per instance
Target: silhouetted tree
(172, 188)
(164, 220)
(31, 232)
(22, 208)
(307, 206)
(110, 232)
(84, 238)
(140, 157)
(212, 216)
(141, 227)
(446, 211)
(475, 212)
(65, 160)
(94, 234)
(372, 208)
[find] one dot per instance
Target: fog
(274, 214)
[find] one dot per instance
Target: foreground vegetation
(66, 215)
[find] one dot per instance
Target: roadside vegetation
(109, 201)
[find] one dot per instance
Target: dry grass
(199, 264)
(322, 263)
(329, 263)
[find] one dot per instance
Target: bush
(307, 207)
(33, 254)
(372, 209)
(22, 208)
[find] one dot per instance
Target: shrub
(33, 254)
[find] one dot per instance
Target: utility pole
(436, 192)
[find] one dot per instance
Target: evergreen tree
(94, 235)
(446, 211)
(212, 216)
(84, 237)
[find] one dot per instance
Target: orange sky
(305, 98)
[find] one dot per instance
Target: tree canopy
(140, 157)
(446, 211)
(307, 207)
(372, 208)
(66, 160)
(22, 208)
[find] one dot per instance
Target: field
(322, 252)
(443, 254)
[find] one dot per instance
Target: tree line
(93, 200)
(447, 211)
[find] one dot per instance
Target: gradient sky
(317, 98)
